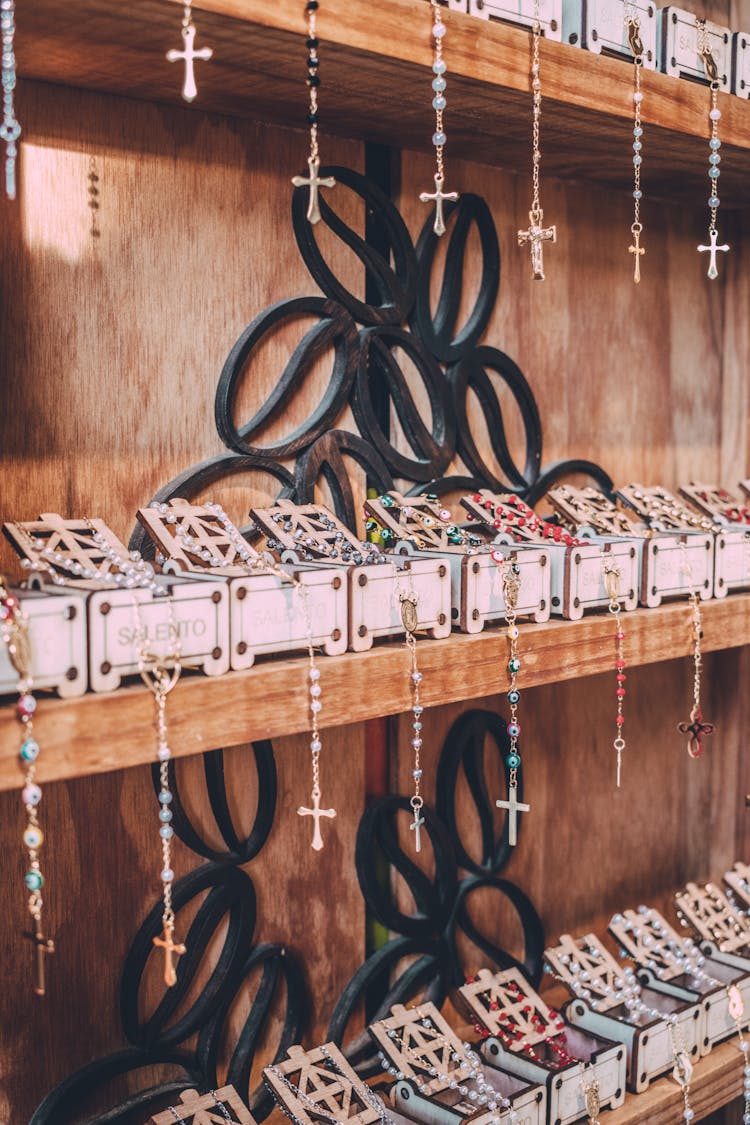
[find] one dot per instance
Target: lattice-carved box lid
(320, 1085)
(587, 968)
(713, 917)
(84, 553)
(590, 507)
(195, 540)
(722, 504)
(738, 881)
(420, 520)
(506, 1005)
(420, 1044)
(215, 1108)
(646, 936)
(313, 533)
(663, 511)
(504, 513)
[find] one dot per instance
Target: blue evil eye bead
(386, 500)
(514, 696)
(513, 730)
(439, 84)
(514, 761)
(33, 837)
(165, 815)
(31, 794)
(439, 102)
(29, 750)
(514, 664)
(34, 880)
(713, 201)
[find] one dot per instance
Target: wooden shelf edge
(99, 733)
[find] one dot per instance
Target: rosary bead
(514, 761)
(438, 139)
(34, 880)
(29, 750)
(33, 837)
(714, 158)
(715, 115)
(513, 730)
(513, 696)
(439, 67)
(637, 160)
(315, 690)
(638, 97)
(164, 753)
(417, 679)
(438, 84)
(166, 832)
(165, 797)
(31, 794)
(438, 30)
(714, 172)
(316, 706)
(167, 875)
(514, 665)
(26, 705)
(165, 815)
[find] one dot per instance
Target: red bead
(619, 636)
(521, 521)
(619, 664)
(621, 693)
(620, 720)
(621, 677)
(497, 524)
(557, 534)
(494, 1006)
(568, 540)
(488, 505)
(477, 500)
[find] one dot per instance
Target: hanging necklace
(511, 588)
(14, 629)
(410, 622)
(10, 130)
(696, 728)
(611, 573)
(188, 53)
(633, 28)
(537, 234)
(313, 181)
(714, 144)
(438, 137)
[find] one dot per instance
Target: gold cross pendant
(171, 949)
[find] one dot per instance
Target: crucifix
(167, 943)
(44, 947)
(316, 812)
(535, 236)
(712, 249)
(438, 195)
(314, 182)
(514, 807)
(415, 827)
(639, 251)
(696, 728)
(189, 88)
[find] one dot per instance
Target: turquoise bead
(514, 761)
(29, 750)
(386, 501)
(34, 880)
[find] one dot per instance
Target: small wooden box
(741, 64)
(477, 587)
(678, 47)
(431, 1046)
(650, 1052)
(599, 26)
(577, 575)
(566, 1101)
(520, 13)
(200, 611)
(731, 561)
(529, 1019)
(320, 1084)
(59, 643)
(738, 884)
(664, 572)
(722, 930)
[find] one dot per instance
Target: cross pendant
(314, 182)
(44, 947)
(638, 251)
(167, 943)
(316, 812)
(415, 827)
(514, 807)
(189, 88)
(535, 236)
(713, 271)
(696, 728)
(438, 195)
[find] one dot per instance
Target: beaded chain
(438, 137)
(340, 551)
(633, 27)
(410, 623)
(10, 130)
(522, 518)
(714, 144)
(537, 234)
(470, 1066)
(14, 629)
(611, 572)
(254, 564)
(696, 728)
(313, 181)
(130, 573)
(160, 675)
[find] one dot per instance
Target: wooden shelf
(375, 74)
(717, 1081)
(97, 733)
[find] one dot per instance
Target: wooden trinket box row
(91, 603)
